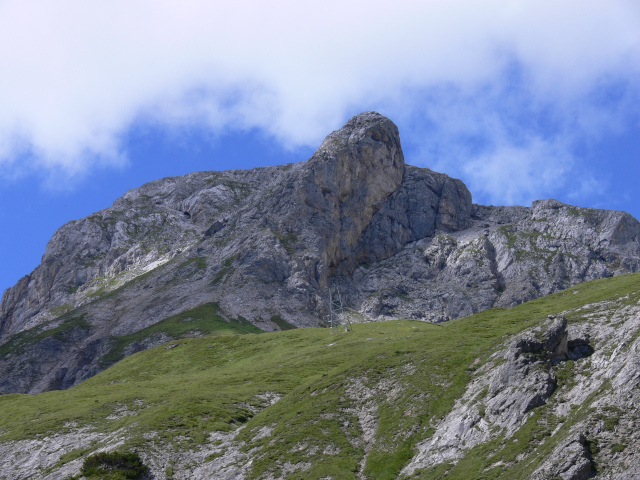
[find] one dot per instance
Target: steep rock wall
(266, 244)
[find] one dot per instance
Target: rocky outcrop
(573, 461)
(293, 221)
(504, 256)
(570, 387)
(501, 397)
(321, 207)
(267, 244)
(426, 202)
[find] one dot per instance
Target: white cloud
(519, 174)
(76, 74)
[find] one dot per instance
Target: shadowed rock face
(316, 210)
(266, 243)
(329, 200)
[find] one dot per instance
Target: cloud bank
(482, 88)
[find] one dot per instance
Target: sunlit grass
(188, 388)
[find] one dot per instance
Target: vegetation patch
(222, 273)
(202, 320)
(114, 466)
(288, 240)
(282, 323)
(61, 309)
(229, 261)
(200, 262)
(609, 416)
(618, 447)
(526, 245)
(226, 270)
(104, 284)
(239, 189)
(37, 334)
(73, 454)
(508, 231)
(590, 213)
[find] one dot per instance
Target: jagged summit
(263, 246)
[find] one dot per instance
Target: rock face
(500, 257)
(501, 399)
(266, 244)
(587, 427)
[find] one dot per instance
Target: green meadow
(408, 373)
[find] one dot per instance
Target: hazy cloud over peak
(76, 75)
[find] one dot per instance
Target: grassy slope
(209, 383)
(202, 320)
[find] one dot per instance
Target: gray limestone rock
(590, 421)
(575, 461)
(267, 243)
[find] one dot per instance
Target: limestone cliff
(264, 245)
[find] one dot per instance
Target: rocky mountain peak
(363, 157)
(264, 246)
(346, 181)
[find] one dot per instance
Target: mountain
(545, 390)
(259, 250)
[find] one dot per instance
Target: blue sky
(520, 99)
